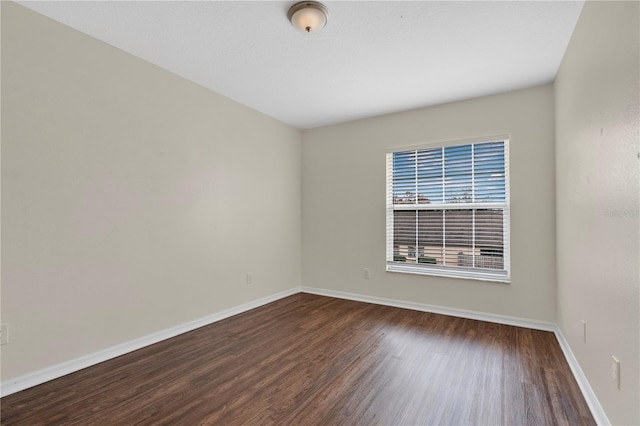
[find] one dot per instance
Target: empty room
(346, 212)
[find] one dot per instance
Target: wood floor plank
(308, 359)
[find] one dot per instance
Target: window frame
(481, 274)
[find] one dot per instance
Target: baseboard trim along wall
(41, 376)
(461, 313)
(44, 375)
(590, 397)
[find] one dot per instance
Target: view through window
(447, 210)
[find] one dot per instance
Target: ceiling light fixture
(308, 16)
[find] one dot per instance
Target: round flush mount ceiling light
(308, 16)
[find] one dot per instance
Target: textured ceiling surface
(372, 58)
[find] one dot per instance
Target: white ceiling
(372, 58)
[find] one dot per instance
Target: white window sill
(499, 277)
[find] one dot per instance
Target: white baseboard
(44, 375)
(461, 313)
(589, 395)
(41, 376)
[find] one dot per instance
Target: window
(448, 210)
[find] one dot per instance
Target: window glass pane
(489, 172)
(430, 181)
(404, 177)
(458, 236)
(404, 233)
(490, 239)
(457, 174)
(430, 233)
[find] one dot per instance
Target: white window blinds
(447, 211)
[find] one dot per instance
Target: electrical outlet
(365, 273)
(4, 334)
(615, 370)
(584, 331)
(249, 278)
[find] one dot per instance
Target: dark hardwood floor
(314, 360)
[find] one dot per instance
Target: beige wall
(132, 199)
(598, 190)
(343, 203)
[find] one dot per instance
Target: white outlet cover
(615, 370)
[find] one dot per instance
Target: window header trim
(440, 144)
